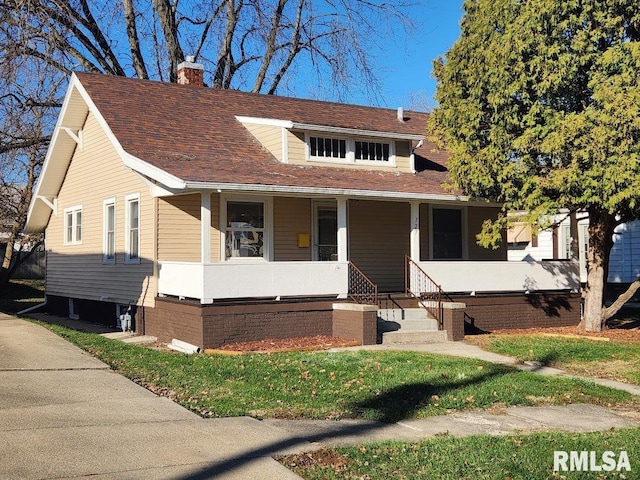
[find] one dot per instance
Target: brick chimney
(190, 73)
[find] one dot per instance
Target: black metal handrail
(361, 288)
(421, 286)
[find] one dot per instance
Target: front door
(326, 232)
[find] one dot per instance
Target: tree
(264, 46)
(539, 101)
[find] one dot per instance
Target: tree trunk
(601, 226)
(612, 309)
(6, 262)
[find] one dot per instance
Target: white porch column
(342, 229)
(415, 231)
(205, 227)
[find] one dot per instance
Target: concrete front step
(398, 314)
(408, 325)
(400, 337)
(425, 324)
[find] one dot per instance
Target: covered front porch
(218, 247)
(252, 263)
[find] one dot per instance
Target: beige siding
(297, 156)
(379, 240)
(95, 174)
(403, 156)
(475, 216)
(291, 216)
(270, 137)
(297, 148)
(179, 228)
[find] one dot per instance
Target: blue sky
(407, 80)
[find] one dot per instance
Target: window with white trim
(132, 230)
(372, 151)
(349, 150)
(109, 231)
(73, 225)
(245, 229)
(327, 148)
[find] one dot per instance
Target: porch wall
(497, 312)
(291, 216)
(216, 325)
(475, 217)
(179, 228)
(379, 240)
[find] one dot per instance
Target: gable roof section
(193, 135)
(185, 137)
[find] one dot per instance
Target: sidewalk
(64, 414)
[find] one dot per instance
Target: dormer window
(350, 150)
(372, 151)
(327, 148)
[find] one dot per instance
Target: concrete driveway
(64, 414)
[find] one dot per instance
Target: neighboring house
(228, 216)
(555, 244)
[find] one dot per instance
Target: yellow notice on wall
(304, 240)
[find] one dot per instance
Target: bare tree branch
(166, 16)
(134, 41)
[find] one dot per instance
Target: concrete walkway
(64, 414)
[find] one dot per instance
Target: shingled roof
(192, 134)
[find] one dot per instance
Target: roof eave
(324, 191)
(310, 127)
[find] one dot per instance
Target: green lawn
(19, 295)
(616, 360)
(520, 457)
(387, 386)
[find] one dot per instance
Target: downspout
(35, 307)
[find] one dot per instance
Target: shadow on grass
(19, 295)
(393, 405)
(404, 401)
(546, 361)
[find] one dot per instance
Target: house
(555, 244)
(224, 216)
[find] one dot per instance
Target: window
(446, 224)
(109, 231)
(132, 230)
(327, 148)
(73, 225)
(372, 151)
(348, 150)
(245, 230)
